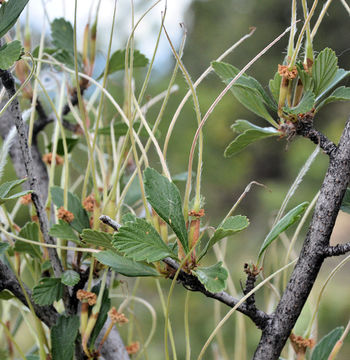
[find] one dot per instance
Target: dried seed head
(300, 344)
(26, 199)
(133, 348)
(284, 71)
(65, 215)
(86, 297)
(116, 317)
(47, 159)
(199, 213)
(89, 203)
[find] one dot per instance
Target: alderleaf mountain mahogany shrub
(59, 272)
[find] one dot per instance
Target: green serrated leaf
(50, 51)
(128, 217)
(67, 58)
(47, 291)
(9, 13)
(247, 91)
(98, 238)
(141, 242)
(164, 197)
(102, 315)
(9, 54)
(230, 226)
(17, 195)
(324, 70)
(274, 86)
(63, 336)
(248, 137)
(3, 247)
(29, 231)
(339, 76)
(124, 265)
(345, 206)
(252, 100)
(289, 219)
(340, 94)
(227, 72)
(324, 347)
(70, 278)
(71, 142)
(6, 187)
(64, 231)
(213, 277)
(62, 35)
(81, 219)
(306, 104)
(117, 61)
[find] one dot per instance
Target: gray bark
(313, 253)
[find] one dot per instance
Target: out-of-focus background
(212, 26)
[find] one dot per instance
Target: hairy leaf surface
(289, 219)
(213, 277)
(141, 242)
(164, 197)
(124, 265)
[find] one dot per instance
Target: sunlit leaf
(6, 187)
(70, 278)
(63, 336)
(213, 277)
(227, 72)
(324, 347)
(64, 231)
(47, 291)
(324, 70)
(306, 104)
(230, 226)
(289, 219)
(274, 86)
(164, 197)
(97, 238)
(141, 242)
(339, 76)
(9, 13)
(117, 61)
(62, 34)
(340, 94)
(249, 136)
(9, 54)
(124, 265)
(29, 231)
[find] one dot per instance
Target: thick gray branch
(8, 281)
(28, 164)
(281, 323)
